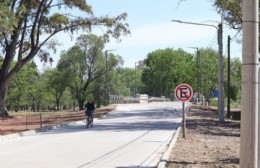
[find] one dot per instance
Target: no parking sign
(183, 92)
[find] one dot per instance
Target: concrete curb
(166, 155)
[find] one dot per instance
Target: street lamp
(220, 66)
(106, 81)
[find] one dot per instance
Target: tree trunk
(3, 95)
(81, 104)
(58, 104)
(33, 106)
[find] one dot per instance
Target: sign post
(183, 93)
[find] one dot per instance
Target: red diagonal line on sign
(184, 93)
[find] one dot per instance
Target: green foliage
(57, 19)
(236, 79)
(56, 84)
(208, 71)
(165, 69)
(231, 11)
(209, 74)
(83, 66)
(27, 26)
(85, 63)
(8, 21)
(130, 82)
(22, 87)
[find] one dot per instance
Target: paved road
(134, 135)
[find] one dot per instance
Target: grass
(45, 113)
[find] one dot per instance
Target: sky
(152, 29)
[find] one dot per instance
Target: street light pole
(219, 28)
(135, 81)
(198, 72)
(137, 65)
(106, 80)
(228, 79)
(106, 89)
(221, 107)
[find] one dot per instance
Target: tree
(85, 63)
(165, 69)
(209, 75)
(126, 81)
(231, 11)
(28, 25)
(21, 87)
(56, 84)
(236, 79)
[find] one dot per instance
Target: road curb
(166, 155)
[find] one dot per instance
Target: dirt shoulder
(208, 143)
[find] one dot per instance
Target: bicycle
(89, 122)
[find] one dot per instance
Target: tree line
(167, 68)
(80, 74)
(86, 70)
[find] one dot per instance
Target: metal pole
(183, 120)
(135, 81)
(221, 109)
(249, 149)
(228, 80)
(198, 73)
(198, 77)
(106, 79)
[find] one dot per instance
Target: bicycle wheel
(89, 122)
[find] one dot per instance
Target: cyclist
(90, 109)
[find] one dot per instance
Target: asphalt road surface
(134, 135)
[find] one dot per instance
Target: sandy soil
(208, 143)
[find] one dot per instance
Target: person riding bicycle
(90, 108)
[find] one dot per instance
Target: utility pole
(219, 28)
(249, 141)
(228, 80)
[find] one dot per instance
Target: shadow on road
(137, 120)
